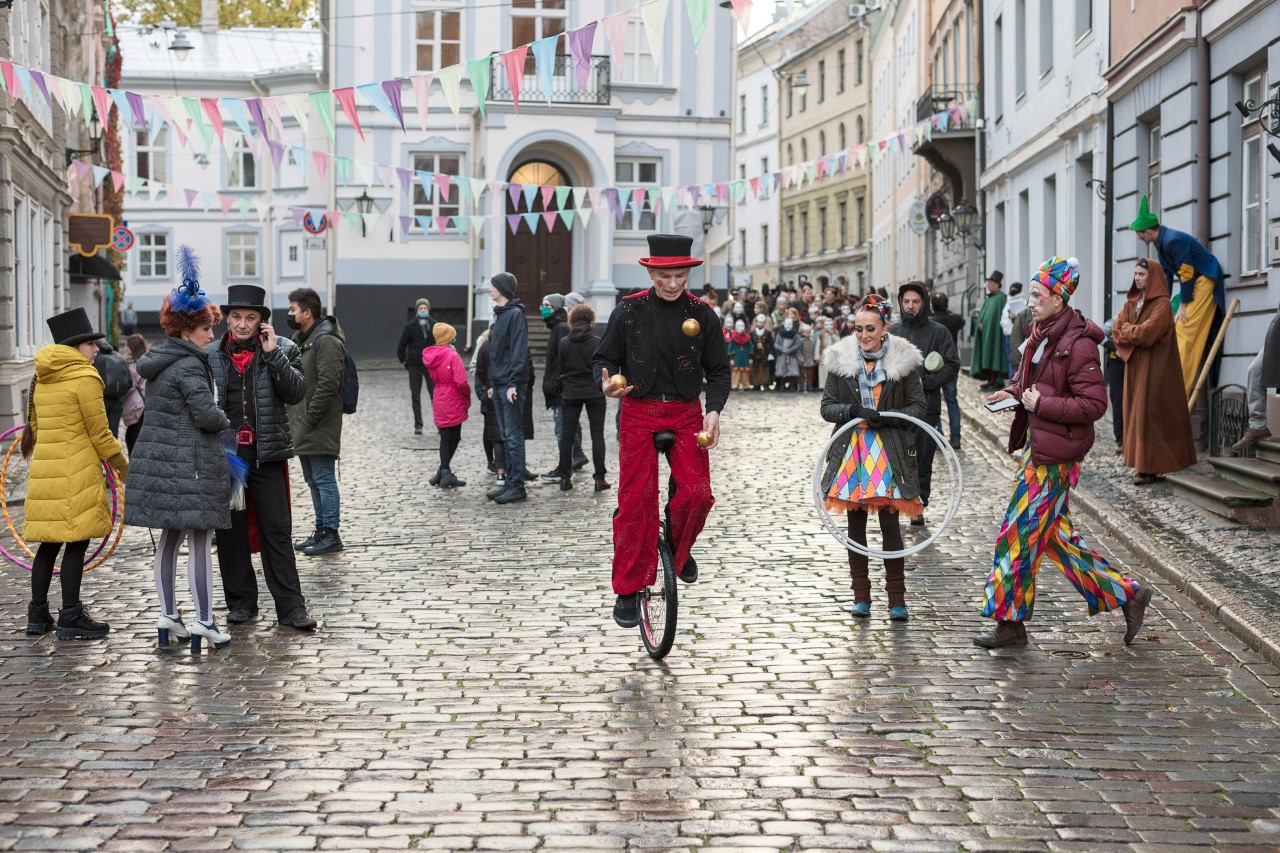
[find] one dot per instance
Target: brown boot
(1135, 609)
(1250, 438)
(1006, 633)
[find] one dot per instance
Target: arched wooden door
(541, 260)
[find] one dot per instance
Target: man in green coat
(990, 361)
(316, 422)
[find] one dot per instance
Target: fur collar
(845, 358)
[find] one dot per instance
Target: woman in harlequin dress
(868, 373)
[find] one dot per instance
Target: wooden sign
(89, 232)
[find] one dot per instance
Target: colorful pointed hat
(1059, 275)
(1146, 219)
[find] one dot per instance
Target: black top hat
(997, 277)
(248, 296)
(72, 328)
(670, 251)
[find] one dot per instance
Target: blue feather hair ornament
(188, 297)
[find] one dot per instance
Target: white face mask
(739, 326)
(787, 324)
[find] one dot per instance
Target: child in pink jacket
(449, 401)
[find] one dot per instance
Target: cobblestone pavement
(468, 690)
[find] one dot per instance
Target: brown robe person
(1157, 427)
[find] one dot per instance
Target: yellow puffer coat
(67, 497)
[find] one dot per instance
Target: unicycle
(658, 604)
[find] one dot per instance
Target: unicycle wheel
(658, 605)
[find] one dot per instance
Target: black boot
(308, 542)
(449, 481)
(39, 619)
(435, 479)
(75, 623)
(328, 542)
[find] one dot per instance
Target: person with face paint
(761, 353)
(413, 340)
(665, 342)
(739, 345)
(826, 337)
(807, 356)
(787, 346)
(874, 471)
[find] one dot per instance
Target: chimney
(208, 16)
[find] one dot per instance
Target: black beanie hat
(506, 284)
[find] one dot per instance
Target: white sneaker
(216, 638)
(167, 626)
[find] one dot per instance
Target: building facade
(1175, 77)
(755, 142)
(69, 39)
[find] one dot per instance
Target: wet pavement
(467, 689)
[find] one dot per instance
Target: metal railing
(938, 98)
(564, 82)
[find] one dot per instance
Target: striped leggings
(199, 571)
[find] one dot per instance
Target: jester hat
(1146, 219)
(1058, 275)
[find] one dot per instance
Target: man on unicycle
(658, 347)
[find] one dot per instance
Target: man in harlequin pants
(664, 341)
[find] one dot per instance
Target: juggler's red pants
(636, 521)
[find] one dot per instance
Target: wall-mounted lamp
(1268, 114)
(94, 151)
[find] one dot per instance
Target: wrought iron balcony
(939, 98)
(564, 83)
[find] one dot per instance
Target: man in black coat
(413, 340)
(929, 337)
(953, 323)
(555, 315)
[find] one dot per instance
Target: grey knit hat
(420, 303)
(506, 284)
(555, 300)
(573, 299)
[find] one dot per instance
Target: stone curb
(1236, 615)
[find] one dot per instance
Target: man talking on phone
(257, 374)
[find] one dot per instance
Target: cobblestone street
(468, 690)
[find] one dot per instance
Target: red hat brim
(668, 263)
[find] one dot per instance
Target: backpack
(350, 390)
(114, 371)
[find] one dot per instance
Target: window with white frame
(764, 105)
(822, 229)
(149, 154)
(842, 235)
(437, 38)
(637, 62)
(153, 255)
(791, 235)
(1084, 18)
(1253, 183)
(1022, 32)
(640, 175)
(804, 232)
(742, 113)
(859, 60)
(844, 142)
(1153, 166)
(840, 71)
(242, 254)
(242, 169)
(764, 244)
(822, 143)
(293, 170)
(742, 176)
(437, 164)
(1047, 37)
(860, 217)
(742, 246)
(861, 130)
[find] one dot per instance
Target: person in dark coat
(555, 315)
(1264, 373)
(580, 390)
(929, 337)
(257, 374)
(413, 340)
(953, 323)
(510, 382)
(990, 361)
(1060, 395)
(180, 480)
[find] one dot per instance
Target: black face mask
(292, 321)
(910, 315)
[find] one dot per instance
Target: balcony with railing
(938, 99)
(951, 148)
(564, 82)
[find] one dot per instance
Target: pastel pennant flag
(513, 221)
(594, 194)
(562, 195)
(235, 108)
(406, 222)
(227, 201)
(277, 153)
(406, 180)
(347, 100)
(442, 222)
(549, 219)
(207, 200)
(421, 94)
(117, 95)
(460, 223)
(444, 182)
(547, 193)
(451, 82)
(210, 106)
(478, 71)
(425, 179)
(377, 96)
(394, 91)
(567, 217)
(136, 108)
(82, 168)
(99, 175)
(271, 109)
(255, 110)
(477, 188)
(581, 43)
(544, 60)
(578, 194)
(619, 199)
(654, 15)
(584, 215)
(321, 161)
(191, 196)
(386, 174)
(424, 222)
(530, 193)
(86, 103)
(324, 108)
(615, 30)
(755, 187)
(38, 79)
(477, 223)
(513, 192)
(513, 62)
(530, 219)
(10, 81)
(71, 100)
(742, 11)
(698, 11)
(297, 104)
(102, 101)
(193, 110)
(342, 167)
(24, 78)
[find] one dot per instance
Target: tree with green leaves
(231, 13)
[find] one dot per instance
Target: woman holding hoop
(868, 373)
(181, 478)
(67, 439)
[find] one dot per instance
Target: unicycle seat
(664, 441)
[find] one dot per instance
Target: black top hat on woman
(248, 297)
(72, 328)
(670, 251)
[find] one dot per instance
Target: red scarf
(1040, 331)
(241, 354)
(740, 338)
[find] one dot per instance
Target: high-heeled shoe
(216, 638)
(167, 626)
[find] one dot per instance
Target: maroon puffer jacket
(1073, 395)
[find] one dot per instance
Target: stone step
(1257, 474)
(1268, 449)
(1227, 499)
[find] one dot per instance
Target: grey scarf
(869, 380)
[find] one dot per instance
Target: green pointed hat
(1146, 219)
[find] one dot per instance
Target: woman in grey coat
(179, 478)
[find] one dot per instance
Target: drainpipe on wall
(1203, 221)
(1108, 215)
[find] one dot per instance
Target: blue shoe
(861, 610)
(898, 614)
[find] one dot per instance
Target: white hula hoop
(819, 496)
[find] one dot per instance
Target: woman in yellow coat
(67, 501)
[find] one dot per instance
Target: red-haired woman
(182, 480)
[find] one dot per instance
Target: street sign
(89, 232)
(122, 239)
(315, 243)
(313, 225)
(917, 220)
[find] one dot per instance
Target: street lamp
(708, 217)
(181, 46)
(1272, 128)
(95, 142)
(800, 81)
(965, 217)
(364, 204)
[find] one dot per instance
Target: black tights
(450, 438)
(72, 572)
(895, 586)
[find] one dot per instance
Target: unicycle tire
(658, 605)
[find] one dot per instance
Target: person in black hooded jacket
(929, 337)
(580, 390)
(556, 317)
